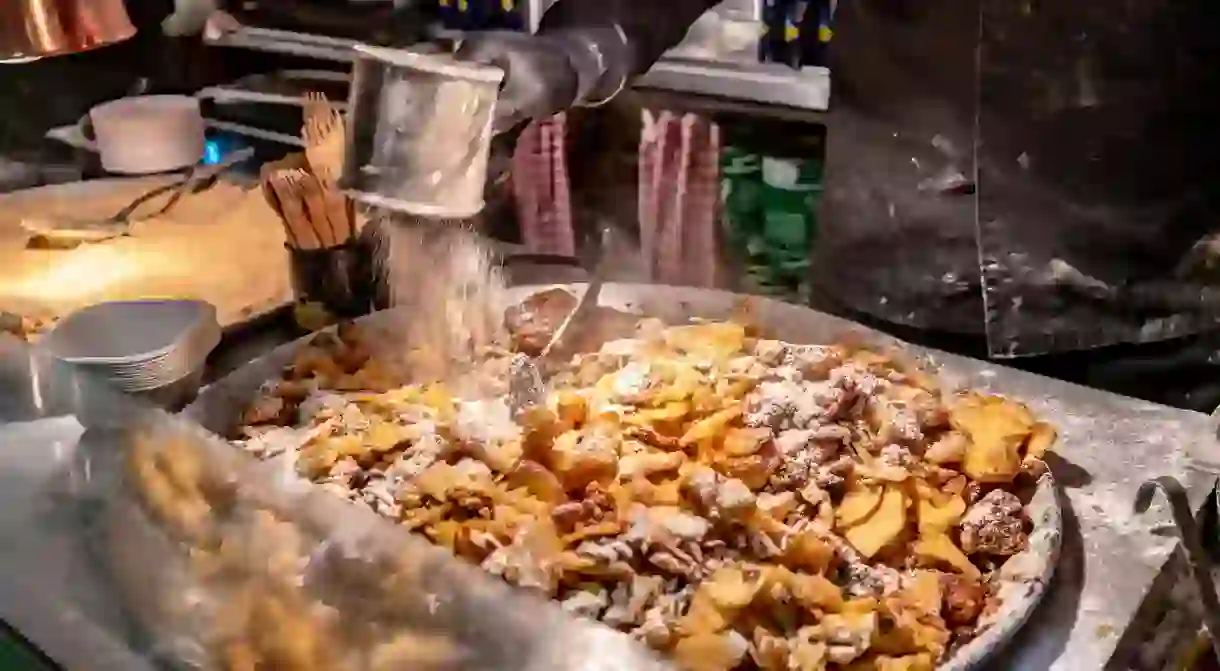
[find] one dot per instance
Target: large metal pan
(1025, 576)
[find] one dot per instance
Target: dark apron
(1035, 172)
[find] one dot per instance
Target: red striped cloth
(541, 188)
(679, 198)
(679, 195)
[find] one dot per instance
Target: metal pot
(32, 29)
(142, 135)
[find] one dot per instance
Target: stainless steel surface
(738, 79)
(724, 35)
(286, 42)
(50, 587)
(228, 95)
(714, 107)
(1107, 446)
(771, 83)
(258, 133)
(37, 28)
(52, 592)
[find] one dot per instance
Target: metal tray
(1025, 577)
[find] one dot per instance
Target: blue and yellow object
(814, 48)
(795, 32)
(792, 22)
(459, 14)
(510, 16)
(471, 15)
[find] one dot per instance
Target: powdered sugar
(486, 421)
(453, 291)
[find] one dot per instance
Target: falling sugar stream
(448, 291)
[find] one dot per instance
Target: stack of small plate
(153, 348)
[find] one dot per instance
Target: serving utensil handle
(1197, 558)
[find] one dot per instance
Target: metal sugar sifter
(418, 143)
(419, 133)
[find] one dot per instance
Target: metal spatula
(526, 388)
(588, 300)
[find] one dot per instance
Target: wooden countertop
(223, 246)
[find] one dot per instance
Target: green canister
(741, 193)
(791, 193)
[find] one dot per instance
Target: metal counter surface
(50, 587)
(806, 89)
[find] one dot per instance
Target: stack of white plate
(138, 346)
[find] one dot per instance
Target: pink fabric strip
(680, 198)
(542, 189)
